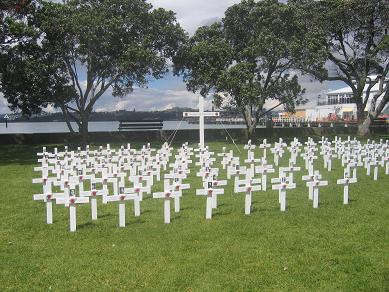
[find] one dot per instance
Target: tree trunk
(251, 130)
(374, 112)
(83, 129)
(251, 123)
(364, 128)
(363, 124)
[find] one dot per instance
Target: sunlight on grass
(335, 247)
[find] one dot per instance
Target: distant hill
(171, 115)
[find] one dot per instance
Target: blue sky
(171, 91)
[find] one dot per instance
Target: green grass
(335, 247)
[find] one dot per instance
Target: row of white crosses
(248, 186)
(173, 189)
(131, 173)
(69, 170)
(369, 155)
(211, 184)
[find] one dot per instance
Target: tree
(78, 50)
(356, 42)
(251, 56)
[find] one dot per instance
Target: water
(61, 127)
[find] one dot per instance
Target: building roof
(347, 89)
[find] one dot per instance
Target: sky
(171, 91)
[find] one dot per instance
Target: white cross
(178, 187)
(277, 152)
(316, 183)
(386, 162)
(92, 194)
(215, 183)
(345, 182)
(122, 198)
(201, 114)
(249, 147)
(375, 162)
(264, 169)
(290, 170)
(207, 172)
(235, 170)
(167, 194)
(282, 186)
(138, 187)
(264, 146)
(209, 191)
(47, 197)
(310, 178)
(368, 159)
(249, 185)
(71, 202)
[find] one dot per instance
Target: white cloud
(3, 105)
(191, 14)
(194, 13)
(149, 99)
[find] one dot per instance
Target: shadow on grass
(221, 213)
(19, 154)
(187, 208)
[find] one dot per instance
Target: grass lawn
(332, 248)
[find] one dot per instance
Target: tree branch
(99, 94)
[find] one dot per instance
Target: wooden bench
(141, 125)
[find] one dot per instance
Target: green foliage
(108, 44)
(354, 34)
(250, 57)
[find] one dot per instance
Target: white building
(339, 103)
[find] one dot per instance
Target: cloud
(194, 13)
(171, 92)
(3, 105)
(143, 99)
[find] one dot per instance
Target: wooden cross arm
(317, 183)
(277, 180)
(246, 188)
(37, 180)
(93, 193)
(114, 198)
(184, 186)
(252, 160)
(72, 200)
(343, 181)
(175, 175)
(120, 197)
(197, 114)
(202, 192)
(39, 197)
(221, 182)
(218, 191)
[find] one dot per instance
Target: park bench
(141, 125)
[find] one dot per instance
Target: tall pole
(201, 118)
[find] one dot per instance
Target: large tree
(68, 55)
(356, 44)
(250, 57)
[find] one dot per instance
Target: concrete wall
(239, 135)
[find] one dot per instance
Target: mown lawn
(332, 248)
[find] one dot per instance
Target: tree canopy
(70, 54)
(355, 39)
(251, 56)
